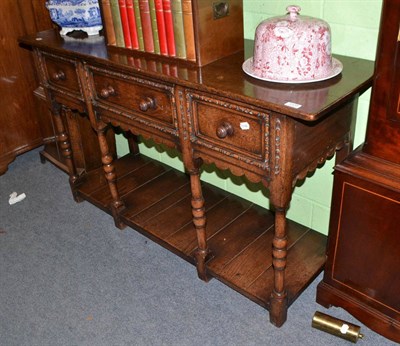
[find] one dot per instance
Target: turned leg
(66, 152)
(192, 165)
(109, 170)
(132, 143)
(199, 220)
(42, 158)
(278, 302)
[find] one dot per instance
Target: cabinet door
(366, 244)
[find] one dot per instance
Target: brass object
(337, 327)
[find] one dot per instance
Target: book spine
(179, 34)
(108, 22)
(169, 27)
(119, 34)
(144, 8)
(188, 27)
(124, 22)
(162, 36)
(138, 24)
(154, 26)
(132, 24)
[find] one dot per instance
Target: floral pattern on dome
(292, 47)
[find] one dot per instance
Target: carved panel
(231, 129)
(60, 75)
(149, 103)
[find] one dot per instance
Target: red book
(169, 27)
(146, 25)
(125, 25)
(132, 24)
(162, 35)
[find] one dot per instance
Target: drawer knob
(57, 76)
(224, 130)
(107, 92)
(147, 103)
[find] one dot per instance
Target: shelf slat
(158, 204)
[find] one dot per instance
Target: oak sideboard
(273, 134)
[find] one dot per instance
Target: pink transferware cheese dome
(292, 49)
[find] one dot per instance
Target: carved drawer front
(230, 127)
(61, 74)
(148, 100)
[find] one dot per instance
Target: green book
(138, 24)
(119, 34)
(179, 33)
(154, 26)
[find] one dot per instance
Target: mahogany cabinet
(362, 272)
(212, 114)
(25, 121)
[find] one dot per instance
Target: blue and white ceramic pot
(73, 15)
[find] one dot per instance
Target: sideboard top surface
(225, 76)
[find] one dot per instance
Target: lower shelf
(158, 204)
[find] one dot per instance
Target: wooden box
(217, 30)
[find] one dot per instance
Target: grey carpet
(69, 277)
